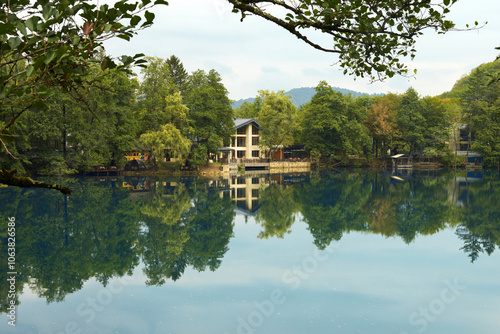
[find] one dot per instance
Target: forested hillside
(300, 96)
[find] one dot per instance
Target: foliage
(93, 127)
(167, 138)
(411, 122)
(44, 45)
(277, 212)
(178, 73)
(177, 113)
(210, 113)
(196, 232)
(371, 38)
(156, 85)
(332, 124)
(423, 125)
(381, 122)
(249, 110)
(277, 120)
(480, 101)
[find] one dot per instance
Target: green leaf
(50, 56)
(149, 16)
(107, 27)
(47, 11)
(22, 28)
(14, 42)
(135, 20)
(29, 70)
(6, 28)
(32, 22)
(144, 3)
(124, 36)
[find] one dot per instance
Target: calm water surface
(345, 252)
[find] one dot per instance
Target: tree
(210, 113)
(437, 126)
(332, 125)
(277, 211)
(370, 37)
(480, 100)
(381, 122)
(177, 113)
(177, 73)
(156, 85)
(249, 110)
(411, 122)
(167, 138)
(277, 120)
(43, 45)
(76, 134)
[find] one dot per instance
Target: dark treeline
(189, 116)
(104, 230)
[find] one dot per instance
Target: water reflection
(110, 225)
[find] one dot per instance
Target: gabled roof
(240, 122)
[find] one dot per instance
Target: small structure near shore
(402, 161)
(134, 166)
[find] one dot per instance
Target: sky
(257, 55)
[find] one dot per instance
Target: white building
(245, 141)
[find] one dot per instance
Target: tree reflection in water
(106, 228)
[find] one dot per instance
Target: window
(464, 135)
(240, 154)
(255, 180)
(241, 142)
(242, 130)
(255, 192)
(255, 141)
(255, 154)
(241, 193)
(241, 180)
(255, 130)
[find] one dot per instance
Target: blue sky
(254, 54)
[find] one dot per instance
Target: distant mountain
(301, 95)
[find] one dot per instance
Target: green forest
(191, 115)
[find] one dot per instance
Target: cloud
(271, 70)
(222, 69)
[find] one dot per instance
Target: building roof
(240, 122)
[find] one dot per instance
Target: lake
(348, 251)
